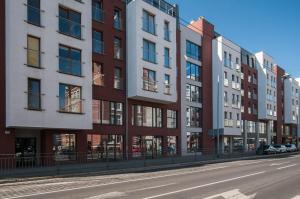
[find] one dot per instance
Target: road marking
(120, 182)
(147, 188)
(233, 194)
(108, 195)
(249, 163)
(279, 163)
(205, 185)
(292, 165)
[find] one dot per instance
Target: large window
(193, 93)
(34, 12)
(118, 78)
(193, 50)
(70, 98)
(193, 142)
(103, 147)
(69, 22)
(33, 52)
(34, 94)
(147, 146)
(149, 22)
(193, 117)
(117, 48)
(149, 80)
(167, 31)
(97, 10)
(117, 19)
(64, 147)
(98, 44)
(167, 58)
(171, 119)
(149, 52)
(69, 60)
(146, 116)
(193, 71)
(98, 75)
(105, 112)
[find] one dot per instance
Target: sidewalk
(108, 168)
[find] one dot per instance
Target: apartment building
(153, 79)
(291, 109)
(267, 95)
(249, 108)
(227, 93)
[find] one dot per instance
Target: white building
(227, 90)
(151, 51)
(191, 90)
(291, 101)
(47, 87)
(267, 93)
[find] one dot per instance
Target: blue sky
(269, 25)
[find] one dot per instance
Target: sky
(269, 25)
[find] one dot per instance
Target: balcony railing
(167, 89)
(70, 105)
(148, 26)
(238, 124)
(167, 61)
(118, 53)
(237, 67)
(163, 6)
(149, 55)
(149, 85)
(69, 66)
(69, 27)
(226, 82)
(228, 123)
(98, 79)
(167, 34)
(34, 58)
(98, 14)
(118, 83)
(34, 101)
(228, 63)
(98, 46)
(34, 15)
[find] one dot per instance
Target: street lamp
(218, 115)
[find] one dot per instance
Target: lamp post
(218, 115)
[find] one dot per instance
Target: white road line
(113, 183)
(205, 185)
(147, 188)
(292, 165)
(108, 195)
(233, 194)
(278, 164)
(249, 163)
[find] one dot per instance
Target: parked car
(291, 147)
(280, 148)
(270, 149)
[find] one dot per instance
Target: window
(193, 117)
(69, 60)
(149, 51)
(105, 112)
(70, 98)
(146, 116)
(193, 93)
(97, 10)
(193, 71)
(225, 97)
(98, 75)
(98, 44)
(167, 84)
(166, 31)
(230, 61)
(117, 48)
(149, 80)
(64, 147)
(167, 58)
(225, 59)
(34, 12)
(33, 52)
(171, 119)
(172, 145)
(117, 79)
(193, 142)
(193, 50)
(34, 94)
(117, 19)
(69, 22)
(149, 22)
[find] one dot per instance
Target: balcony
(236, 105)
(34, 15)
(228, 63)
(163, 6)
(238, 124)
(69, 66)
(149, 27)
(226, 82)
(98, 46)
(70, 28)
(237, 67)
(149, 85)
(149, 55)
(34, 58)
(98, 14)
(70, 105)
(228, 123)
(167, 89)
(34, 101)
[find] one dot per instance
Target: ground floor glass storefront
(64, 147)
(104, 147)
(193, 142)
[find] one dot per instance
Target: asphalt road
(276, 178)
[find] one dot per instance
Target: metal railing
(34, 58)
(34, 15)
(148, 26)
(226, 82)
(149, 55)
(69, 27)
(70, 105)
(167, 89)
(69, 66)
(149, 85)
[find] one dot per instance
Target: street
(272, 178)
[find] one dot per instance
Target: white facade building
(191, 89)
(291, 101)
(267, 92)
(151, 51)
(19, 31)
(227, 89)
